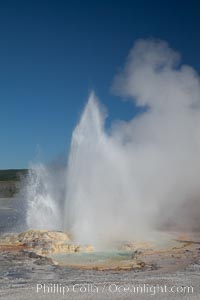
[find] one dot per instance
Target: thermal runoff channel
(141, 176)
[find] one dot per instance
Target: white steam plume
(124, 184)
(145, 173)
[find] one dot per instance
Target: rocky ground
(27, 269)
(32, 267)
(25, 276)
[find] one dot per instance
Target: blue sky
(52, 53)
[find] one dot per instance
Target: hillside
(9, 181)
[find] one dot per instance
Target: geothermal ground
(35, 260)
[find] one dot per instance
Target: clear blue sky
(53, 52)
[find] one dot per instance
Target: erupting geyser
(100, 187)
(144, 173)
(43, 209)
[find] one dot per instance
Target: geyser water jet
(43, 206)
(124, 184)
(100, 188)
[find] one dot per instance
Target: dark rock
(44, 261)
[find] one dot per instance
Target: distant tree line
(12, 174)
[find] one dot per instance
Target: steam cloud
(145, 173)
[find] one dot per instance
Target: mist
(140, 176)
